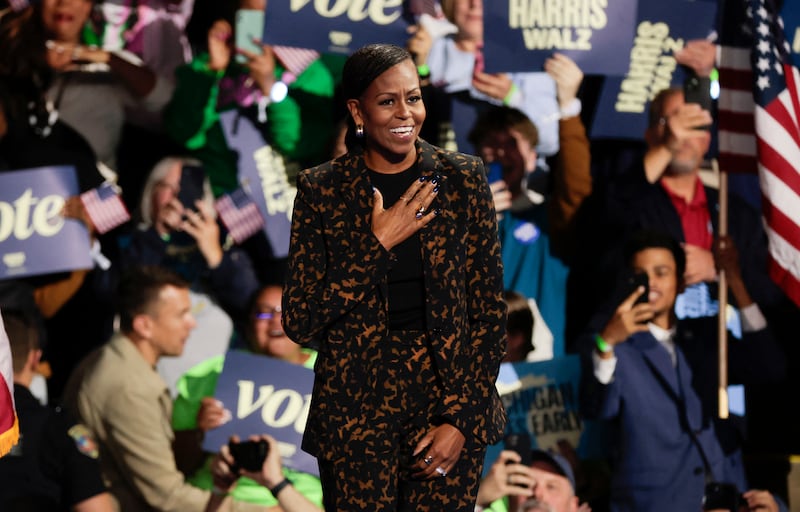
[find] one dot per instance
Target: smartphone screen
(640, 279)
(249, 26)
(494, 172)
(698, 90)
(191, 186)
(519, 442)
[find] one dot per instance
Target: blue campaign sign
(335, 26)
(542, 399)
(262, 174)
(265, 396)
(520, 35)
(34, 237)
(662, 28)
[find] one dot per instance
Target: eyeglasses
(269, 314)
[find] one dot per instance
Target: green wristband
(511, 92)
(423, 70)
(602, 345)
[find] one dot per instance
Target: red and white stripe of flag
(735, 107)
(105, 208)
(778, 134)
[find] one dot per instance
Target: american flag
(239, 214)
(296, 60)
(430, 7)
(735, 108)
(777, 129)
(105, 208)
(18, 5)
(9, 425)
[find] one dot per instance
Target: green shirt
(300, 127)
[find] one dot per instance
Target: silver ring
(418, 215)
(428, 460)
(441, 471)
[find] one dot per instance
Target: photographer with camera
(257, 459)
(196, 411)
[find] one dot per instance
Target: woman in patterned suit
(395, 278)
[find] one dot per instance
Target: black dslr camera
(249, 455)
(722, 496)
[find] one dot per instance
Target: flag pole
(722, 330)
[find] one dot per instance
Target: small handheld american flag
(105, 208)
(18, 5)
(240, 215)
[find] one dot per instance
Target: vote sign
(35, 238)
(519, 35)
(265, 396)
(335, 26)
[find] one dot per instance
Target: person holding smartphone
(177, 228)
(232, 77)
(652, 376)
(637, 377)
(529, 480)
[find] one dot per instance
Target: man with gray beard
(547, 484)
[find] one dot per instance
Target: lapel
(356, 190)
(434, 237)
(657, 358)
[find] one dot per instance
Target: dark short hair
(499, 119)
(361, 69)
(139, 288)
(652, 239)
(23, 336)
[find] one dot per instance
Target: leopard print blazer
(335, 297)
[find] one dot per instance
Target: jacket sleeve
(192, 111)
(138, 440)
(596, 400)
(320, 287)
(469, 394)
(572, 182)
(233, 282)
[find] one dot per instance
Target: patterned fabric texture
(336, 301)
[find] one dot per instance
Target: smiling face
(391, 112)
(661, 269)
(64, 19)
(266, 332)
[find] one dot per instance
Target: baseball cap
(557, 463)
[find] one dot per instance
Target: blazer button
(698, 470)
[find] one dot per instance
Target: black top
(406, 279)
(54, 466)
